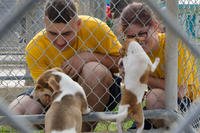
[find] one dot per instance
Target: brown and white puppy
(136, 69)
(67, 98)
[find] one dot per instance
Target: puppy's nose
(120, 63)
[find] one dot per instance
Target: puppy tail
(121, 115)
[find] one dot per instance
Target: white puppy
(67, 101)
(136, 69)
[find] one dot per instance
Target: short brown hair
(60, 11)
(136, 13)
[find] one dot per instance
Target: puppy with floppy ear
(67, 98)
(135, 67)
(45, 88)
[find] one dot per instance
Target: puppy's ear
(38, 87)
(83, 102)
(46, 97)
(123, 50)
(37, 90)
(53, 83)
(58, 69)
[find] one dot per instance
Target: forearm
(160, 84)
(156, 83)
(111, 62)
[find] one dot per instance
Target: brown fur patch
(125, 45)
(46, 85)
(82, 100)
(70, 106)
(53, 83)
(135, 110)
(144, 78)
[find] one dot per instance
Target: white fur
(71, 130)
(122, 113)
(67, 86)
(139, 130)
(135, 64)
(123, 109)
(88, 110)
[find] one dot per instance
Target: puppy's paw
(157, 60)
(88, 110)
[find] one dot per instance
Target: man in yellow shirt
(83, 46)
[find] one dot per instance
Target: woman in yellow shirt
(137, 20)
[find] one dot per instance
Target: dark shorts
(115, 94)
(184, 104)
(27, 92)
(114, 90)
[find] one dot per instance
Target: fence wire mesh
(16, 78)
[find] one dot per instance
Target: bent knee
(25, 105)
(95, 70)
(155, 99)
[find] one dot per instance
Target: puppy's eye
(124, 37)
(45, 85)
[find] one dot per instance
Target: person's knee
(25, 105)
(155, 99)
(94, 72)
(96, 80)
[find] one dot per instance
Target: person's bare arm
(159, 83)
(156, 83)
(74, 65)
(111, 62)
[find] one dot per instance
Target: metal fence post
(171, 57)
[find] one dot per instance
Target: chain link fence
(15, 76)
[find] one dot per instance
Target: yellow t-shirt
(187, 69)
(94, 36)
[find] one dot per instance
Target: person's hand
(154, 82)
(182, 91)
(74, 65)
